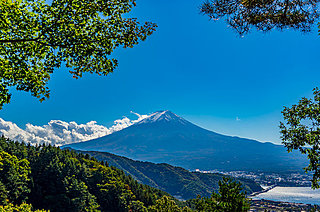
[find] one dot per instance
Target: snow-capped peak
(166, 116)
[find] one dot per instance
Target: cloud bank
(59, 133)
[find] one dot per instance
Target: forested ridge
(62, 180)
(176, 181)
(47, 178)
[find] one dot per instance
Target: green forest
(46, 178)
(177, 181)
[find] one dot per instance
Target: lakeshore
(265, 189)
(298, 195)
(269, 205)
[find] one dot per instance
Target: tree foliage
(56, 180)
(229, 198)
(14, 178)
(165, 204)
(18, 208)
(36, 38)
(264, 15)
(46, 177)
(301, 131)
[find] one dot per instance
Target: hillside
(164, 137)
(58, 180)
(176, 181)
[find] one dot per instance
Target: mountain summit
(163, 116)
(164, 137)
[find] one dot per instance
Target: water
(304, 195)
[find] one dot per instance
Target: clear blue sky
(198, 69)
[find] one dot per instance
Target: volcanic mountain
(164, 137)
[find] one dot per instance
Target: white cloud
(58, 132)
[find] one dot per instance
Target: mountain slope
(64, 181)
(175, 180)
(166, 137)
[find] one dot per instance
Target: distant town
(270, 179)
(268, 205)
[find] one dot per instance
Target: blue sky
(199, 69)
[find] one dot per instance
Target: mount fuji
(164, 137)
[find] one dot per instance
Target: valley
(177, 181)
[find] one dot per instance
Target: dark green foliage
(230, 198)
(56, 180)
(264, 15)
(18, 208)
(14, 178)
(78, 193)
(301, 132)
(3, 194)
(174, 180)
(165, 204)
(49, 178)
(37, 37)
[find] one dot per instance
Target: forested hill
(61, 180)
(177, 181)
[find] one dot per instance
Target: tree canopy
(46, 177)
(49, 178)
(229, 198)
(301, 131)
(36, 38)
(264, 15)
